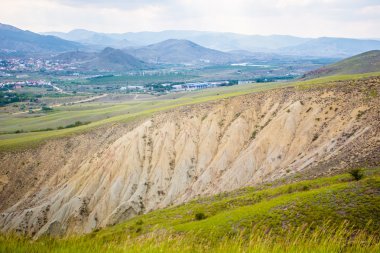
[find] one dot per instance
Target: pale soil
(77, 184)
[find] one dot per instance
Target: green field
(97, 114)
(334, 214)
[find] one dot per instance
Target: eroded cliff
(77, 184)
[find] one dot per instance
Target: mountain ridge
(281, 44)
(15, 39)
(176, 51)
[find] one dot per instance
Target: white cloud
(342, 18)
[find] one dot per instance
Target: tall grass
(325, 238)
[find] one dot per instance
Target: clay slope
(197, 150)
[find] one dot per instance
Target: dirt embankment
(77, 184)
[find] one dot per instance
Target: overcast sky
(307, 18)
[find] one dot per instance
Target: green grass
(101, 114)
(334, 214)
(321, 81)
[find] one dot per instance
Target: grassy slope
(333, 214)
(362, 63)
(100, 115)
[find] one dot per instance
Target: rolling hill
(13, 39)
(363, 63)
(109, 60)
(180, 52)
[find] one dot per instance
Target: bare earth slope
(196, 150)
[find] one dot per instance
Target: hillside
(321, 215)
(109, 59)
(110, 175)
(14, 39)
(180, 52)
(115, 60)
(331, 47)
(362, 63)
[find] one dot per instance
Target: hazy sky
(340, 18)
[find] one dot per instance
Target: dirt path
(71, 103)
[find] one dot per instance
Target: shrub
(253, 135)
(46, 109)
(357, 174)
(200, 216)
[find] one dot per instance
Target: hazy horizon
(301, 18)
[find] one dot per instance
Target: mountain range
(279, 44)
(130, 51)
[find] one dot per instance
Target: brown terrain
(79, 183)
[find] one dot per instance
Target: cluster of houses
(199, 85)
(20, 84)
(177, 87)
(32, 64)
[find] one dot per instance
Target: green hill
(335, 214)
(362, 63)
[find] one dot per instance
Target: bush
(46, 109)
(200, 216)
(357, 174)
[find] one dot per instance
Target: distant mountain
(362, 63)
(109, 60)
(280, 44)
(74, 57)
(220, 41)
(95, 39)
(180, 52)
(13, 39)
(331, 47)
(214, 40)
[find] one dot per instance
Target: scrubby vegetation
(357, 174)
(335, 214)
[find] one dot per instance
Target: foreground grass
(335, 214)
(322, 239)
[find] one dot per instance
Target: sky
(305, 18)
